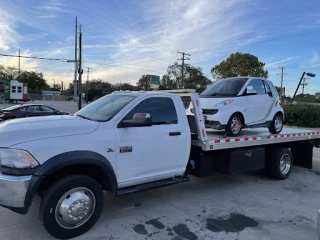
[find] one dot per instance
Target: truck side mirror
(138, 120)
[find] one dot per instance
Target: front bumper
(214, 125)
(13, 190)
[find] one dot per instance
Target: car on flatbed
(124, 143)
(28, 110)
(232, 104)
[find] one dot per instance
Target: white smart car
(241, 102)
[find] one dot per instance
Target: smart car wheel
(234, 125)
(277, 124)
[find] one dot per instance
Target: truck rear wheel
(279, 163)
(71, 206)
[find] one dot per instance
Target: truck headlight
(17, 159)
(224, 103)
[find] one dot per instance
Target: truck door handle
(174, 133)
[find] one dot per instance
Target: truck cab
(121, 140)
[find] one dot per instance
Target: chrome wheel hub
(285, 164)
(235, 125)
(278, 124)
(75, 208)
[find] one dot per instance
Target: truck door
(151, 153)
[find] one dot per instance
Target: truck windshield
(225, 87)
(105, 108)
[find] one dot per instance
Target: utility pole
(281, 88)
(19, 64)
(75, 89)
(87, 90)
(80, 69)
(182, 67)
(304, 84)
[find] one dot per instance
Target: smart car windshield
(224, 87)
(105, 108)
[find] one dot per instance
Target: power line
(42, 13)
(145, 16)
(69, 24)
(110, 14)
(40, 58)
(186, 21)
(264, 41)
(123, 27)
(248, 38)
(112, 65)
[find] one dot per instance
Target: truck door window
(161, 109)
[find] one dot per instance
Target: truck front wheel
(71, 206)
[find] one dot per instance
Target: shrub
(302, 115)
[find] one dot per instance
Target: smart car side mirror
(251, 92)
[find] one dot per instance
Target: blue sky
(123, 39)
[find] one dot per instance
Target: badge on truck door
(126, 149)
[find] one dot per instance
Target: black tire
(229, 130)
(274, 164)
(276, 119)
(55, 193)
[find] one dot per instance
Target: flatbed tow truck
(145, 142)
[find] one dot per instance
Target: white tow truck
(123, 143)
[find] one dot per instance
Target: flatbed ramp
(215, 140)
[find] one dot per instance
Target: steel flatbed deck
(216, 140)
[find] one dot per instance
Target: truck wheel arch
(74, 162)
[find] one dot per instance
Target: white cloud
(55, 6)
(192, 24)
(268, 65)
(50, 16)
(8, 34)
(315, 57)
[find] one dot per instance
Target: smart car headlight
(224, 103)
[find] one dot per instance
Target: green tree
(8, 73)
(196, 80)
(167, 83)
(193, 78)
(144, 82)
(239, 64)
(35, 81)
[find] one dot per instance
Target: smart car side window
(258, 86)
(268, 89)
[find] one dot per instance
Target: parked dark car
(28, 110)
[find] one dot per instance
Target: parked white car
(241, 102)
